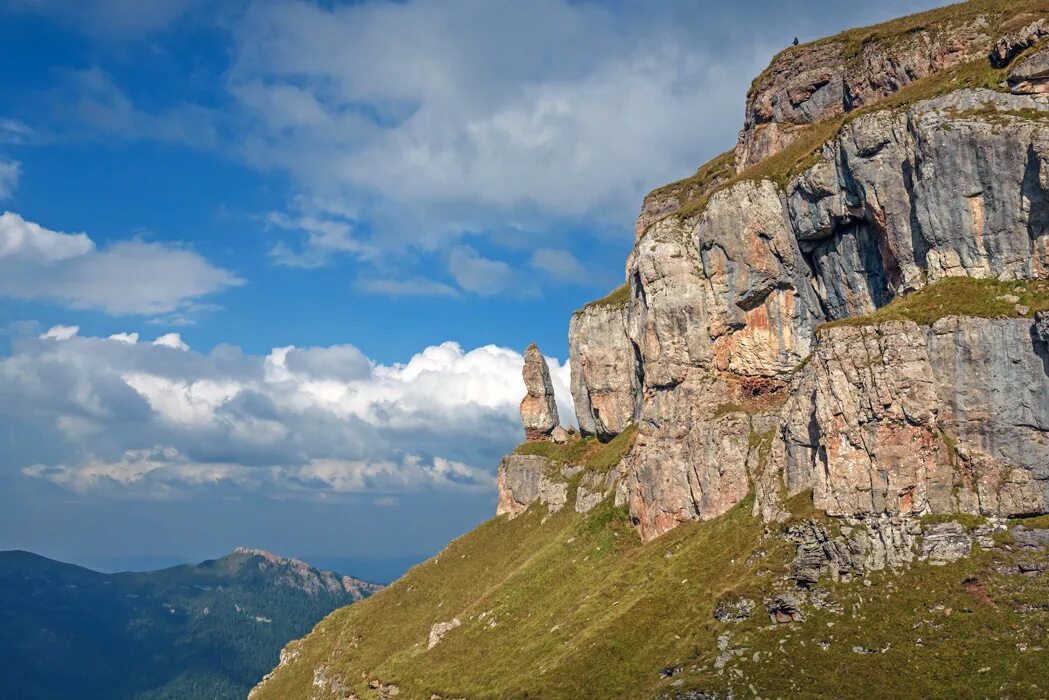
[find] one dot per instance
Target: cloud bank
(134, 419)
(127, 277)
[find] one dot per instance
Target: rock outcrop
(527, 479)
(605, 372)
(717, 350)
(538, 407)
(829, 78)
(1031, 77)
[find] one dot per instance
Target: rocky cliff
(851, 303)
(829, 362)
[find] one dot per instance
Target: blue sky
(321, 233)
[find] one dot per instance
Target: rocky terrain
(203, 631)
(829, 363)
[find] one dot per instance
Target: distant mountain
(206, 631)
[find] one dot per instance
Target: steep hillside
(814, 449)
(197, 631)
(574, 606)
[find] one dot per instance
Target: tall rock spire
(538, 408)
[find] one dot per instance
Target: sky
(267, 268)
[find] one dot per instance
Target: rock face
(814, 82)
(1031, 77)
(912, 419)
(527, 479)
(605, 373)
(716, 349)
(538, 408)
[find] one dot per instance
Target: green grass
(968, 521)
(618, 298)
(589, 452)
(582, 609)
(699, 186)
(957, 296)
(1040, 522)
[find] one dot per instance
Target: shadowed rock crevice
(1035, 191)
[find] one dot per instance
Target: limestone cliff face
(810, 83)
(605, 372)
(717, 349)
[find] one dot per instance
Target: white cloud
(60, 332)
(128, 277)
(32, 243)
(156, 420)
(171, 340)
(483, 112)
(9, 174)
(325, 238)
(411, 287)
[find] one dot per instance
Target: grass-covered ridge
(618, 298)
(1002, 16)
(958, 296)
(804, 151)
(589, 452)
(572, 606)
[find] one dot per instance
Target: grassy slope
(581, 609)
(958, 296)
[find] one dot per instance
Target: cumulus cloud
(128, 277)
(159, 420)
(480, 111)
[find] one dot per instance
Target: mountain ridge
(202, 630)
(813, 448)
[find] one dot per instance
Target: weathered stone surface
(734, 610)
(527, 479)
(869, 544)
(606, 386)
(903, 199)
(716, 355)
(438, 630)
(813, 82)
(538, 408)
(915, 419)
(1031, 76)
(945, 542)
(1006, 47)
(591, 491)
(785, 607)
